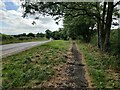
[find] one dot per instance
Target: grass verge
(32, 67)
(103, 68)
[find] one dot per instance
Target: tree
(63, 34)
(31, 35)
(108, 26)
(48, 34)
(79, 27)
(99, 12)
(56, 35)
(24, 34)
(40, 35)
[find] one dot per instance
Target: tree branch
(83, 9)
(116, 4)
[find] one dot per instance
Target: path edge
(87, 75)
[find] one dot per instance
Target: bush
(115, 42)
(5, 37)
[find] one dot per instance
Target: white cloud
(17, 24)
(14, 23)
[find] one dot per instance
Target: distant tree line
(56, 35)
(32, 35)
(24, 36)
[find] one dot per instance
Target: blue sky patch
(11, 6)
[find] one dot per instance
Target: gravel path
(71, 75)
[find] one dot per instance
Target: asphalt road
(10, 49)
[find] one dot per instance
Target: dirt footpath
(71, 75)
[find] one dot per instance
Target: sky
(12, 22)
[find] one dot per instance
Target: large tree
(79, 27)
(101, 13)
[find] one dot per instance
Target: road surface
(10, 49)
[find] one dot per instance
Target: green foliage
(94, 39)
(4, 37)
(100, 13)
(80, 24)
(99, 64)
(57, 35)
(63, 34)
(30, 68)
(79, 27)
(40, 35)
(48, 34)
(31, 35)
(115, 42)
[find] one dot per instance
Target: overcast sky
(12, 23)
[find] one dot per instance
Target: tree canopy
(101, 13)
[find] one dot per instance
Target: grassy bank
(32, 67)
(103, 68)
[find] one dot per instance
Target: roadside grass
(16, 40)
(31, 67)
(103, 68)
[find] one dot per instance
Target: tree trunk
(108, 26)
(99, 36)
(103, 26)
(118, 41)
